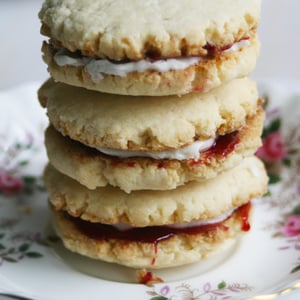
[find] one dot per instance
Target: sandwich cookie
(106, 47)
(93, 168)
(155, 228)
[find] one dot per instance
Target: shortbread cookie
(192, 201)
(153, 78)
(134, 30)
(94, 169)
(147, 123)
(180, 247)
(199, 44)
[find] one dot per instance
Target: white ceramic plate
(34, 263)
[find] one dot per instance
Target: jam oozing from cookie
(221, 148)
(224, 145)
(155, 234)
(243, 215)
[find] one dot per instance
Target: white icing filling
(192, 151)
(237, 46)
(221, 218)
(97, 67)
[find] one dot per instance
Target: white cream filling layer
(221, 218)
(237, 46)
(98, 67)
(192, 151)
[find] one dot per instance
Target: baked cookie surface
(135, 30)
(147, 123)
(93, 169)
(192, 201)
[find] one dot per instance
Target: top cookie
(133, 29)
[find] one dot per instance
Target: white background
(20, 43)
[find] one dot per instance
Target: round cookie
(177, 250)
(177, 79)
(134, 30)
(94, 169)
(157, 31)
(147, 123)
(192, 201)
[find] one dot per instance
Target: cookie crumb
(148, 278)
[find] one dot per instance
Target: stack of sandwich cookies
(139, 175)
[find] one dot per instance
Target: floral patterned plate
(266, 261)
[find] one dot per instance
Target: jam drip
(148, 278)
(154, 234)
(223, 146)
(243, 214)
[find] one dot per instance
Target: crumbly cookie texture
(136, 29)
(192, 201)
(178, 250)
(93, 169)
(201, 77)
(147, 123)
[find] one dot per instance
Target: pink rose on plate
(272, 148)
(9, 184)
(291, 226)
